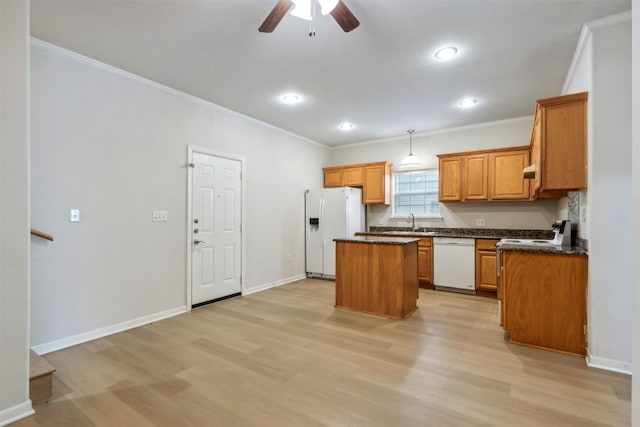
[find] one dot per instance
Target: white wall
(603, 67)
(635, 83)
(507, 133)
(14, 211)
(115, 147)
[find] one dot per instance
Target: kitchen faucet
(412, 220)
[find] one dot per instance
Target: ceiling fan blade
(275, 16)
(344, 17)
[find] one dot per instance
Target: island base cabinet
(377, 278)
(544, 300)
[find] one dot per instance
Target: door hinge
(191, 165)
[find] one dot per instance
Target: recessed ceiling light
(345, 126)
(291, 98)
(468, 102)
(446, 53)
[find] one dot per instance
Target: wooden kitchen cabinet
(486, 276)
(425, 262)
(487, 175)
(377, 277)
(333, 177)
(506, 181)
(373, 178)
(376, 189)
(353, 176)
(474, 177)
(450, 180)
(544, 300)
(559, 145)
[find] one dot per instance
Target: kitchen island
(377, 275)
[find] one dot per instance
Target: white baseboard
(275, 284)
(608, 364)
(15, 413)
(102, 332)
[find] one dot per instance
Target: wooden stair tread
(40, 378)
(39, 367)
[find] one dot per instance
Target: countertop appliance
(330, 213)
(454, 264)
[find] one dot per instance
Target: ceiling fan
(337, 9)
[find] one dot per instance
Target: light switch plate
(160, 216)
(479, 222)
(74, 215)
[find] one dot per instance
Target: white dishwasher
(454, 266)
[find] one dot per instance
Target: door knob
(196, 220)
(197, 242)
(196, 231)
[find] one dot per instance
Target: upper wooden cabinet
(559, 145)
(374, 178)
(353, 176)
(450, 189)
(505, 175)
(475, 185)
(488, 175)
(376, 189)
(333, 177)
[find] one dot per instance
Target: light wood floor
(287, 357)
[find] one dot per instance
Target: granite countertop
(378, 240)
(473, 233)
(488, 233)
(562, 250)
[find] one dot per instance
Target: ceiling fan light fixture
(302, 9)
(326, 6)
(410, 161)
(346, 126)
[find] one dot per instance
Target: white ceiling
(382, 76)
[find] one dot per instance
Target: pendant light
(411, 160)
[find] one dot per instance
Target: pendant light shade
(410, 161)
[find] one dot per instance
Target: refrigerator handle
(321, 220)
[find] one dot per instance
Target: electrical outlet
(159, 216)
(479, 222)
(74, 215)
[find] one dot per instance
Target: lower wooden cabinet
(544, 300)
(486, 276)
(425, 262)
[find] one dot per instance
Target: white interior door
(216, 251)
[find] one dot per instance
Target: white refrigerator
(330, 213)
